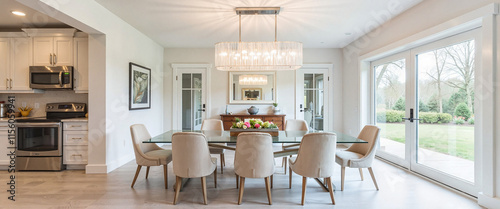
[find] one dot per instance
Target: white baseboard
(487, 201)
(119, 162)
(96, 168)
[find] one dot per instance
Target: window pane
(446, 109)
(390, 87)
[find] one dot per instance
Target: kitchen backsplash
(43, 98)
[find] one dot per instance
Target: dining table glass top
(224, 137)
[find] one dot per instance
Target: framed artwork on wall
(139, 87)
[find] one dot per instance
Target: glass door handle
(411, 119)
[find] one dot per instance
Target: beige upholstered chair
(192, 160)
(293, 125)
(360, 155)
(314, 159)
(148, 154)
(254, 158)
(215, 125)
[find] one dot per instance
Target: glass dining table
(215, 138)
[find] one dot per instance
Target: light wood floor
(74, 189)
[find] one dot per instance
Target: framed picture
(251, 94)
(139, 87)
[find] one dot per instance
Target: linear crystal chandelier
(258, 56)
(253, 80)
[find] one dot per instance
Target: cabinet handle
(7, 84)
(74, 155)
(55, 58)
(76, 126)
(76, 138)
(11, 83)
(50, 58)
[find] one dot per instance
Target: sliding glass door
(424, 104)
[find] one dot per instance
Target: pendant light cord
(240, 24)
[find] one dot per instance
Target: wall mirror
(252, 87)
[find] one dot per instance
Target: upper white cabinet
(54, 51)
(52, 47)
(15, 59)
(81, 65)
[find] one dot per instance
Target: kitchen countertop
(75, 120)
(2, 120)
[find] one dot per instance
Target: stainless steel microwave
(51, 77)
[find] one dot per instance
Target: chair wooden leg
(330, 188)
(136, 174)
(290, 178)
(215, 177)
(223, 159)
(342, 176)
(237, 181)
(147, 172)
(204, 189)
(272, 181)
(242, 186)
(373, 177)
(304, 185)
(221, 163)
(268, 189)
(361, 174)
(178, 182)
(165, 176)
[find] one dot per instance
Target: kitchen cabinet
(81, 66)
(15, 60)
(228, 120)
(75, 143)
(54, 51)
(4, 144)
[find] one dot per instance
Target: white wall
(419, 18)
(285, 82)
(113, 43)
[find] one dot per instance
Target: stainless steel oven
(39, 145)
(40, 139)
(51, 77)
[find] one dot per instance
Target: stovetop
(37, 119)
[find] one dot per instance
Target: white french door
(424, 103)
(191, 100)
(312, 97)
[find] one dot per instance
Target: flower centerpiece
(253, 125)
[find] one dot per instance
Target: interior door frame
(327, 69)
(177, 70)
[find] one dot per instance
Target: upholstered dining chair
(215, 125)
(360, 155)
(254, 158)
(148, 154)
(293, 125)
(314, 160)
(191, 159)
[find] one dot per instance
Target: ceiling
(202, 23)
(33, 18)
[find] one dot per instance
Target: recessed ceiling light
(18, 13)
(348, 34)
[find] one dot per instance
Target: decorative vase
(276, 110)
(253, 110)
(236, 131)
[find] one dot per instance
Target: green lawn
(456, 140)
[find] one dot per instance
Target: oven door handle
(60, 78)
(56, 124)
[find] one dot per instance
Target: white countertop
(4, 120)
(75, 120)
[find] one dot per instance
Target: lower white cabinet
(4, 143)
(75, 145)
